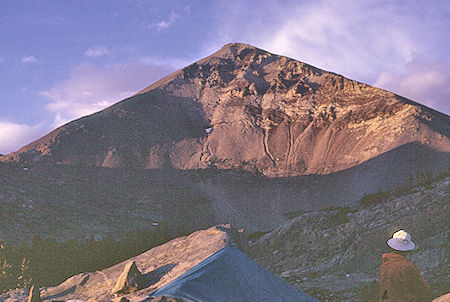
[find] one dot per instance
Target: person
(400, 280)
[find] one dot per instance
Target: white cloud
(422, 81)
(358, 38)
(28, 60)
(350, 38)
(14, 135)
(172, 62)
(90, 88)
(96, 51)
(166, 23)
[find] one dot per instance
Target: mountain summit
(247, 109)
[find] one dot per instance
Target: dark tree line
(47, 262)
(425, 179)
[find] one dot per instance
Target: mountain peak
(266, 113)
(236, 48)
(234, 51)
(234, 45)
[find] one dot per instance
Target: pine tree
(24, 279)
(5, 270)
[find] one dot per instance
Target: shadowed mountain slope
(244, 108)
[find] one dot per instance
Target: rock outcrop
(442, 298)
(335, 254)
(34, 295)
(159, 265)
(130, 280)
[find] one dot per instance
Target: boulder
(130, 280)
(443, 298)
(35, 295)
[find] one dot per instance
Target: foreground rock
(34, 295)
(204, 266)
(443, 298)
(335, 255)
(130, 280)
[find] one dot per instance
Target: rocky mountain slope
(242, 136)
(244, 108)
(335, 255)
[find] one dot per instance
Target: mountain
(244, 108)
(242, 136)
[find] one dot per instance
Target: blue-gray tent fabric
(229, 275)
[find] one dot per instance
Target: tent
(229, 275)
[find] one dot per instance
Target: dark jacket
(400, 281)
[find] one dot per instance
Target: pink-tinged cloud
(358, 39)
(14, 135)
(422, 81)
(90, 88)
(345, 37)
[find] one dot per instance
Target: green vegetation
(49, 262)
(421, 179)
(340, 215)
(5, 268)
(256, 235)
(293, 214)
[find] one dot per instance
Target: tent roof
(229, 275)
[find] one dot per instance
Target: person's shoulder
(408, 267)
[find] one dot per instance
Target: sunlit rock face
(244, 108)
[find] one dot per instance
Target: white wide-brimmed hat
(401, 241)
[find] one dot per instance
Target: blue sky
(60, 60)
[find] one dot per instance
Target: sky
(61, 60)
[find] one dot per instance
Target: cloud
(90, 88)
(96, 51)
(171, 62)
(2, 60)
(166, 23)
(421, 80)
(358, 39)
(13, 135)
(28, 60)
